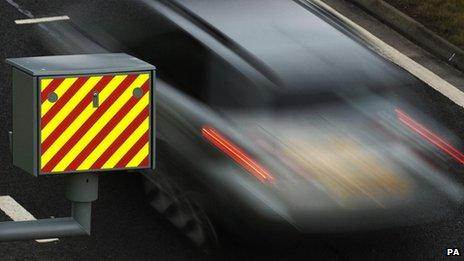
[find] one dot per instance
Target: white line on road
(17, 213)
(390, 53)
(42, 20)
(20, 9)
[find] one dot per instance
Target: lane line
(42, 19)
(20, 9)
(17, 213)
(395, 56)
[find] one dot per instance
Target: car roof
(298, 44)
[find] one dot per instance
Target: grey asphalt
(125, 228)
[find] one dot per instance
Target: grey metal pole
(81, 190)
(82, 214)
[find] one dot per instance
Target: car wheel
(181, 207)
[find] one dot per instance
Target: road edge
(414, 31)
(396, 57)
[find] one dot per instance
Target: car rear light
(430, 136)
(236, 154)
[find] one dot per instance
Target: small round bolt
(138, 92)
(52, 97)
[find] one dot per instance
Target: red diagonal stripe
(144, 162)
(122, 137)
(119, 141)
(58, 105)
(74, 113)
(89, 122)
(50, 88)
(107, 129)
(133, 151)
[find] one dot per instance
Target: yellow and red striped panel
(76, 136)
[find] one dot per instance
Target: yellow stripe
(139, 157)
(79, 121)
(125, 147)
(46, 105)
(60, 90)
(100, 123)
(44, 84)
(69, 106)
(115, 132)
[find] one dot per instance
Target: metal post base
(81, 190)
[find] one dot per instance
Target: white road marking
(17, 213)
(20, 9)
(390, 53)
(42, 20)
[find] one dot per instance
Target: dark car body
(232, 65)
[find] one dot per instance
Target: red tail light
(430, 136)
(237, 154)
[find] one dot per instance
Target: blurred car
(274, 118)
